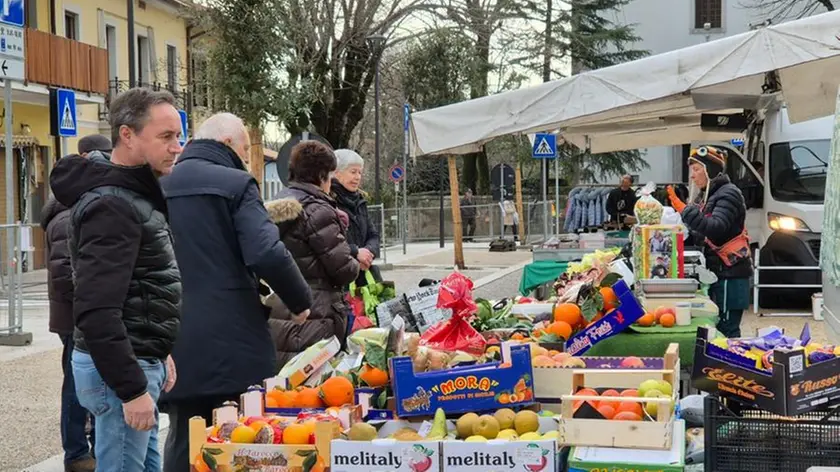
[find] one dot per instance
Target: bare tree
(330, 63)
(778, 10)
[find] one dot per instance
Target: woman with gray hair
(361, 234)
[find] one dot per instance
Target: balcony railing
(117, 85)
(61, 62)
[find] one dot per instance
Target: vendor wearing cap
(715, 214)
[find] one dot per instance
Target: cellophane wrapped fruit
(648, 210)
(455, 334)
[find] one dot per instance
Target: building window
(30, 19)
(143, 58)
(708, 12)
(71, 25)
(111, 46)
(171, 68)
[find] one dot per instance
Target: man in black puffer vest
(127, 292)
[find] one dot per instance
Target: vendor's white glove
(300, 317)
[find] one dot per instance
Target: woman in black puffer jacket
(715, 215)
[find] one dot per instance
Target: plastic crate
(740, 438)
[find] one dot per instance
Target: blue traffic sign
(397, 173)
(184, 127)
(545, 146)
(406, 113)
(12, 13)
(65, 108)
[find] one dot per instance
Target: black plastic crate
(740, 438)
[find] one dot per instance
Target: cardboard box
(611, 324)
(309, 363)
(499, 456)
(384, 455)
(790, 388)
(603, 459)
(480, 387)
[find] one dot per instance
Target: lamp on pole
(376, 43)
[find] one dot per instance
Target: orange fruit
(627, 416)
(567, 312)
(648, 319)
(296, 433)
(373, 377)
(337, 391)
(587, 392)
(632, 407)
(606, 410)
(630, 392)
(610, 393)
(667, 320)
(309, 398)
(561, 329)
(610, 298)
(281, 398)
(661, 311)
(517, 337)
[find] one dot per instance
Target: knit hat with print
(712, 158)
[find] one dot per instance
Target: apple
(632, 362)
(647, 386)
(665, 388)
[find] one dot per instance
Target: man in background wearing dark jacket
(224, 241)
(621, 200)
(55, 220)
(127, 289)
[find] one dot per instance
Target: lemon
(476, 438)
(243, 435)
(532, 436)
(551, 435)
(508, 434)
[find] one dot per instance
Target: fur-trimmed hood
(284, 209)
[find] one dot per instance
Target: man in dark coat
(55, 219)
(621, 200)
(224, 241)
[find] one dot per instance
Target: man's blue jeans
(74, 440)
(119, 448)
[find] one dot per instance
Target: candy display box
(476, 388)
(790, 388)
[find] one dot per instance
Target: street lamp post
(377, 44)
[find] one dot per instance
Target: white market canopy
(655, 101)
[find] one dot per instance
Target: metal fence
(18, 238)
(423, 223)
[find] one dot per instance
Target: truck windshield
(798, 170)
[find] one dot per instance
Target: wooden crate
(656, 434)
(552, 383)
(228, 457)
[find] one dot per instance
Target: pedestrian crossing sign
(65, 113)
(545, 146)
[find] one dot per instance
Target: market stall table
(538, 273)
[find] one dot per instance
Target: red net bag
(456, 333)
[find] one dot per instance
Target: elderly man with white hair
(224, 242)
(361, 233)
